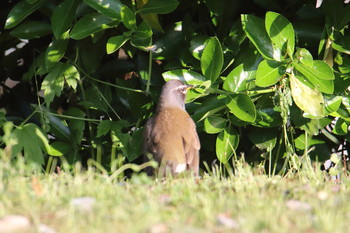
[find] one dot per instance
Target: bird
(170, 136)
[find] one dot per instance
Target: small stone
(322, 195)
(84, 204)
(14, 223)
(227, 221)
(159, 228)
(298, 205)
(45, 229)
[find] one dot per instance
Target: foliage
(269, 76)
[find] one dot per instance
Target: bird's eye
(182, 89)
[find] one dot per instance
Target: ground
(246, 201)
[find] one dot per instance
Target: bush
(80, 77)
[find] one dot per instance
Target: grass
(245, 202)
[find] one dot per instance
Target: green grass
(248, 200)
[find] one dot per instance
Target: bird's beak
(189, 87)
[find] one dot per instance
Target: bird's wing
(148, 142)
(191, 142)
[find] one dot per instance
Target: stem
(100, 81)
(150, 58)
(72, 117)
(89, 123)
(256, 92)
(104, 99)
(270, 162)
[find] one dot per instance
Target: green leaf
(307, 99)
(300, 142)
(237, 79)
(91, 23)
(20, 11)
(159, 7)
(142, 36)
(281, 32)
(31, 139)
(209, 107)
(264, 139)
(268, 117)
(242, 107)
(55, 52)
(212, 59)
(59, 148)
(103, 128)
(128, 18)
(255, 30)
(71, 76)
(110, 8)
(304, 56)
(214, 124)
(269, 72)
(153, 21)
(54, 81)
(332, 105)
(342, 44)
(62, 17)
(114, 43)
(31, 30)
(226, 143)
(197, 45)
(76, 126)
(186, 76)
(135, 143)
(320, 75)
(341, 127)
(57, 126)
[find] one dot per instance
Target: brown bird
(170, 135)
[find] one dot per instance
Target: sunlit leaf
(307, 99)
(237, 79)
(281, 32)
(54, 81)
(110, 8)
(212, 59)
(128, 18)
(55, 51)
(255, 30)
(332, 104)
(115, 42)
(320, 75)
(214, 124)
(142, 36)
(197, 46)
(59, 148)
(20, 11)
(62, 17)
(91, 23)
(226, 143)
(341, 127)
(269, 72)
(304, 56)
(187, 76)
(242, 107)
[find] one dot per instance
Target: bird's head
(173, 94)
